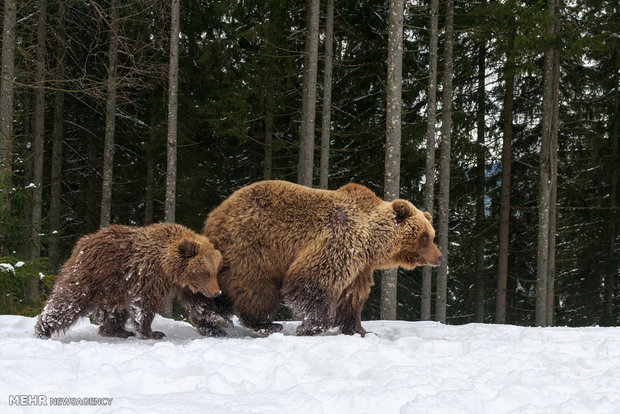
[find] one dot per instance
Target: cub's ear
(428, 217)
(403, 209)
(188, 249)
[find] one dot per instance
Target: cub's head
(196, 264)
(416, 235)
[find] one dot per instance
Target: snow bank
(404, 367)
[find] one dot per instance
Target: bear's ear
(428, 217)
(188, 249)
(403, 209)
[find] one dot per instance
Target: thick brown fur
(123, 272)
(314, 249)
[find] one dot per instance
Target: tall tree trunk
(545, 181)
(504, 220)
(444, 168)
(173, 82)
(59, 100)
(431, 121)
(554, 188)
(327, 96)
(308, 100)
(268, 167)
(610, 279)
(149, 196)
(28, 162)
(6, 112)
(389, 279)
(92, 181)
(110, 118)
(39, 132)
(171, 165)
(480, 184)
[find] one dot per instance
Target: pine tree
(6, 113)
(327, 96)
(389, 280)
(431, 120)
(110, 116)
(308, 100)
(444, 173)
(173, 81)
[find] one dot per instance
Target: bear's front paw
(348, 330)
(152, 335)
(307, 329)
(268, 329)
(210, 330)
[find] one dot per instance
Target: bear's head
(196, 264)
(415, 246)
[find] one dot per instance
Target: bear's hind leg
(316, 305)
(60, 312)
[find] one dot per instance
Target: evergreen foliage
(235, 56)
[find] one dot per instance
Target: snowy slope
(404, 367)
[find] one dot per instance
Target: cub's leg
(112, 323)
(61, 311)
(142, 312)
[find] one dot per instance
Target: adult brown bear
(314, 249)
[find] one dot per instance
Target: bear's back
(279, 219)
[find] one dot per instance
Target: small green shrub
(24, 285)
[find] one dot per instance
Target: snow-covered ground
(403, 367)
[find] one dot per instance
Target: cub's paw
(115, 333)
(266, 330)
(205, 328)
(152, 335)
(211, 330)
(308, 329)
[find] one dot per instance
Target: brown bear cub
(315, 250)
(123, 272)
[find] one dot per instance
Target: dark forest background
(240, 82)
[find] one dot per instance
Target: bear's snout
(212, 289)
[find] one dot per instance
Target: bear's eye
(424, 238)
